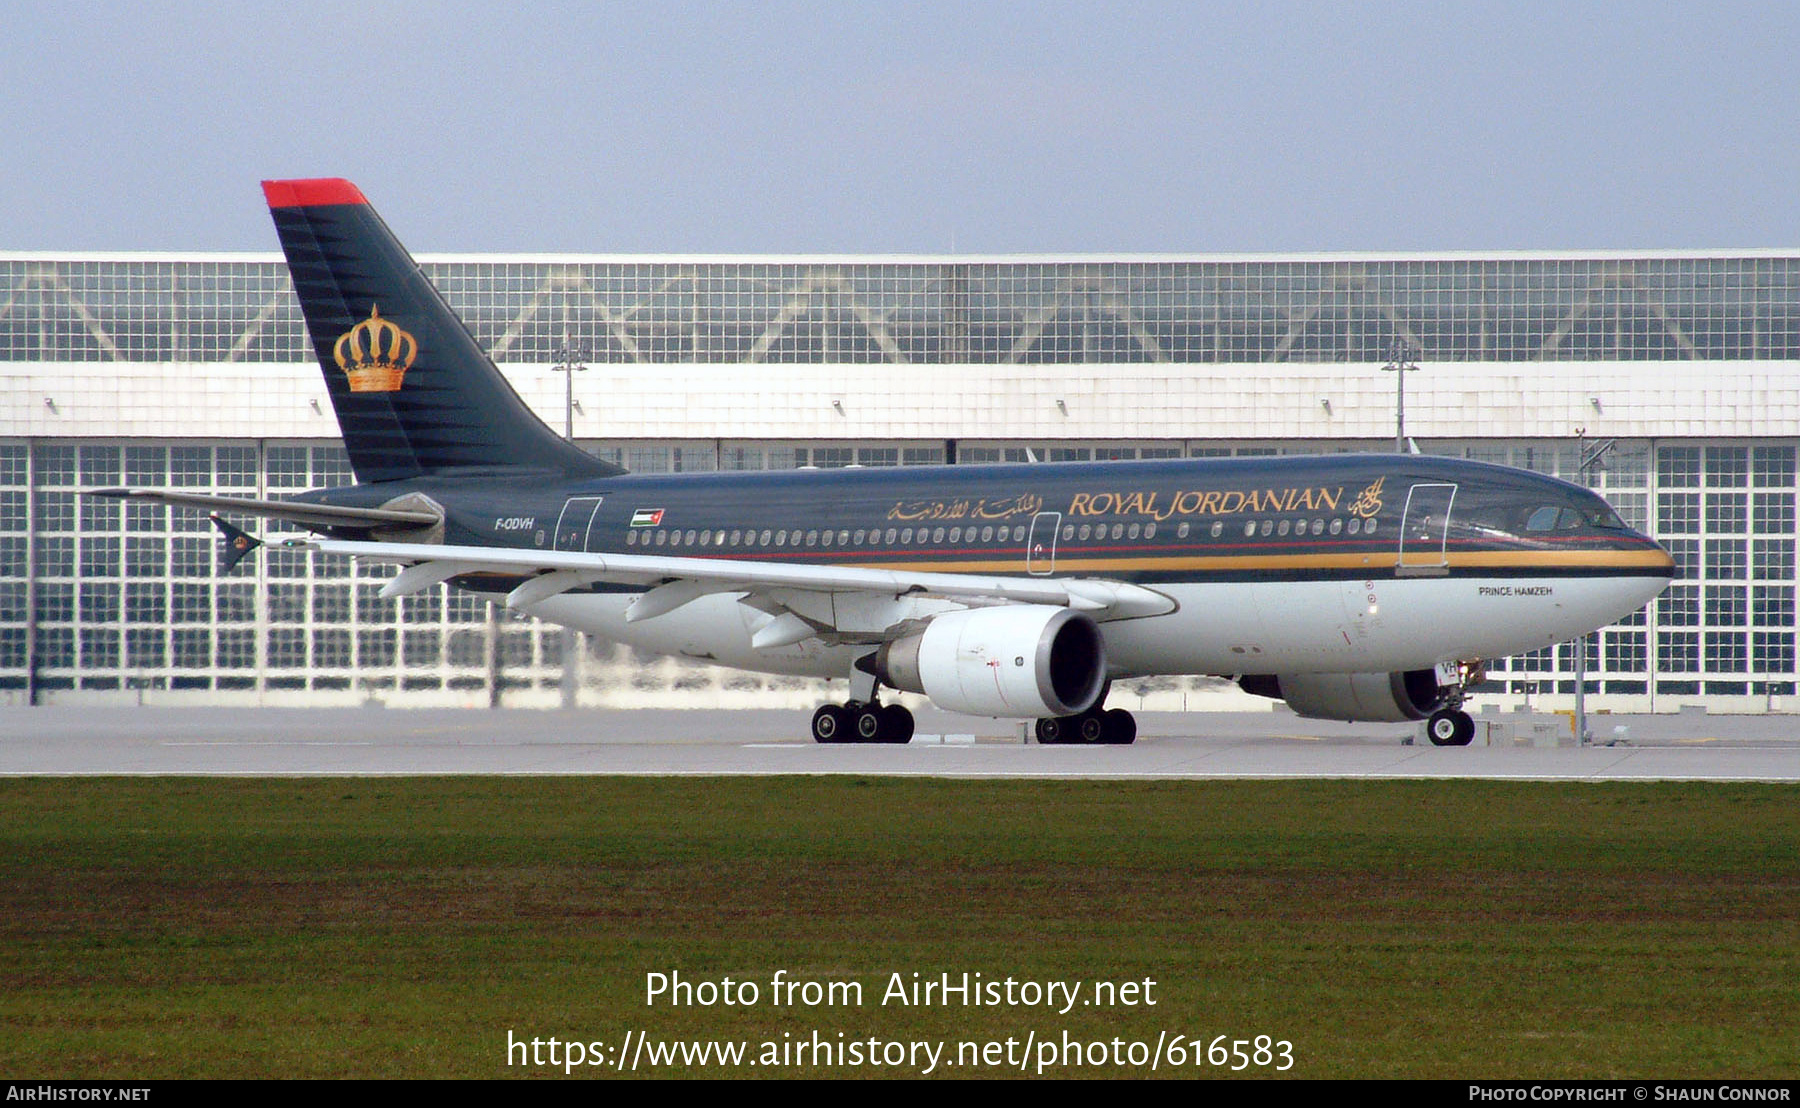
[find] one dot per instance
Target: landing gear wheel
(830, 724)
(1090, 727)
(1450, 727)
(869, 723)
(1121, 727)
(896, 724)
(1050, 732)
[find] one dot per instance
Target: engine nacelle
(1026, 661)
(1353, 697)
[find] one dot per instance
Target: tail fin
(414, 392)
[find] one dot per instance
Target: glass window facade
(127, 599)
(1622, 308)
(95, 594)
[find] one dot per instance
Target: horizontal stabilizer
(307, 515)
(234, 544)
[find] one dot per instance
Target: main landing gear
(1097, 726)
(863, 718)
(862, 723)
(1450, 725)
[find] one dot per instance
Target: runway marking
(272, 742)
(1123, 776)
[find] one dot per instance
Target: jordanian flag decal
(646, 517)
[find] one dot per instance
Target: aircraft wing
(315, 516)
(672, 581)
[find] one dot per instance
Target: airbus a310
(1355, 587)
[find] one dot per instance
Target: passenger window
(1181, 532)
(956, 534)
(1369, 527)
(987, 534)
(1337, 526)
(1355, 525)
(1218, 528)
(1283, 529)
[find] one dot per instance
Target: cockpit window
(1602, 515)
(1526, 514)
(1552, 518)
(1544, 519)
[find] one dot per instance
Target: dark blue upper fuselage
(1149, 521)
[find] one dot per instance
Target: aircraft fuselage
(1348, 563)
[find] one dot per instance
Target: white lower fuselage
(1360, 626)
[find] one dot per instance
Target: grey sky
(1027, 127)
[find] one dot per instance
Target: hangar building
(1667, 380)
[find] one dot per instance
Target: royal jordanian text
(1213, 503)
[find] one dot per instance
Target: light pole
(1587, 459)
(1400, 363)
(569, 363)
(570, 359)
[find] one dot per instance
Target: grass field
(402, 927)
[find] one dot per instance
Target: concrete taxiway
(326, 742)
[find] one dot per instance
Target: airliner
(1354, 587)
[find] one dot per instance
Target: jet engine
(1027, 661)
(1354, 697)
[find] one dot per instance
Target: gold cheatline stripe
(1654, 560)
(1486, 559)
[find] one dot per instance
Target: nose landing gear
(1450, 725)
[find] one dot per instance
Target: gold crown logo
(375, 354)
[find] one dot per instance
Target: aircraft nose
(1655, 557)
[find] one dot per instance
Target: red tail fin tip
(312, 192)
